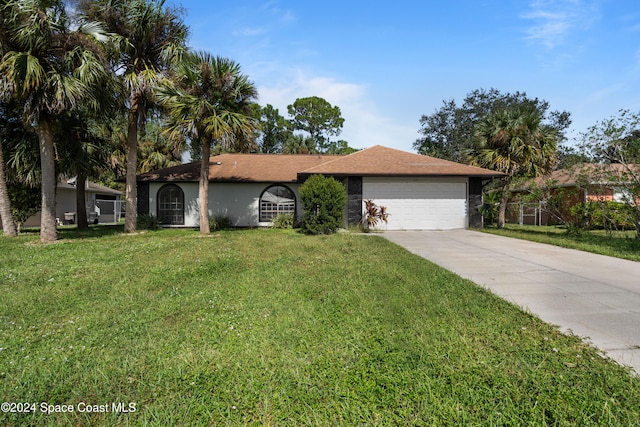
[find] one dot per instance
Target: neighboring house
(420, 192)
(103, 204)
(581, 183)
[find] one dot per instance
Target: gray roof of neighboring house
(91, 187)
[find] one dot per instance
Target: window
(171, 205)
(275, 200)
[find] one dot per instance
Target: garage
(420, 203)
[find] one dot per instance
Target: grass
(270, 327)
(621, 244)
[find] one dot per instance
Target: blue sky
(385, 64)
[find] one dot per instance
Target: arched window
(275, 200)
(171, 205)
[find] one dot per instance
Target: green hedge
(603, 215)
(323, 202)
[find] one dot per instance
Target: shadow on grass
(72, 232)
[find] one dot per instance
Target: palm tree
(515, 142)
(150, 36)
(54, 66)
(8, 224)
(209, 100)
(83, 153)
(156, 151)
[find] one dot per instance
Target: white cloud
(283, 15)
(554, 20)
(365, 125)
(249, 32)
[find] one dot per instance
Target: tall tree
(513, 141)
(156, 151)
(7, 120)
(274, 130)
(8, 223)
(299, 144)
(450, 130)
(340, 147)
(209, 101)
(150, 37)
(616, 140)
(318, 118)
(83, 153)
(54, 66)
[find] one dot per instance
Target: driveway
(593, 296)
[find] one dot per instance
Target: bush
(220, 222)
(148, 222)
(601, 215)
(323, 201)
(373, 215)
(283, 220)
(25, 201)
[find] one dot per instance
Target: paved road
(593, 296)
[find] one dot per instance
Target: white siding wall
(419, 203)
(238, 201)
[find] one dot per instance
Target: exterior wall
(66, 202)
(475, 203)
(420, 203)
(143, 198)
(354, 200)
(535, 213)
(596, 194)
(238, 201)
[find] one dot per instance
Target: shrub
(601, 215)
(148, 222)
(283, 220)
(25, 201)
(373, 215)
(323, 201)
(490, 207)
(220, 222)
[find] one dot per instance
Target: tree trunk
(504, 199)
(502, 209)
(203, 187)
(131, 215)
(8, 224)
(81, 202)
(48, 230)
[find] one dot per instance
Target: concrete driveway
(593, 296)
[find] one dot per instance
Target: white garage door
(420, 203)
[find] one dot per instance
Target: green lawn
(621, 244)
(268, 327)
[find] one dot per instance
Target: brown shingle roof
(242, 168)
(379, 160)
(584, 173)
(374, 161)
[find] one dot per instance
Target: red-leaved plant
(373, 214)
